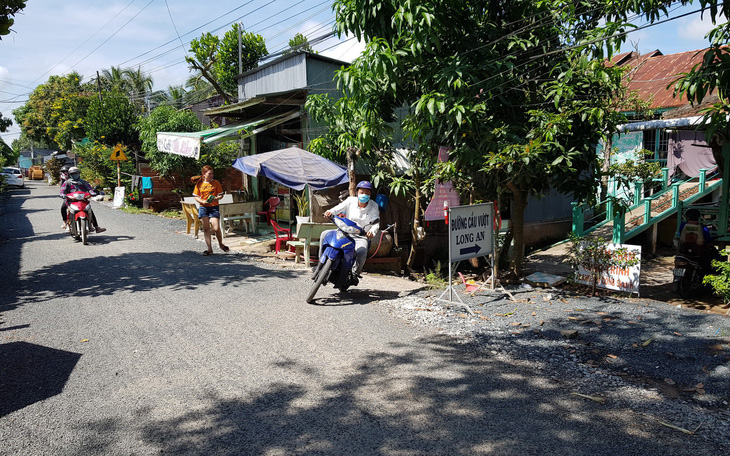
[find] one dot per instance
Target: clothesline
(133, 175)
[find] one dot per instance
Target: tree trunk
(414, 234)
(206, 74)
(351, 171)
(519, 202)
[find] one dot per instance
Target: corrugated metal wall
(286, 75)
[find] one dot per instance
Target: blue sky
(55, 37)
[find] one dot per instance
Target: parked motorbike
(688, 275)
(337, 257)
(78, 216)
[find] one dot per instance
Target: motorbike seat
(690, 261)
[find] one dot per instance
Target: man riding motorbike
(363, 211)
(76, 184)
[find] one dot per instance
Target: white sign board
(471, 231)
(616, 278)
(118, 197)
(186, 146)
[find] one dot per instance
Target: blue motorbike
(337, 257)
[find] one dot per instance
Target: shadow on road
(135, 272)
(430, 397)
(30, 373)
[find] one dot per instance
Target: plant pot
(301, 220)
(151, 204)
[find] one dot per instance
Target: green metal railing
(637, 224)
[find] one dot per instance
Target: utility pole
(98, 84)
(240, 57)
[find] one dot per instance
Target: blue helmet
(365, 184)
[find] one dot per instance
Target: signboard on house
(471, 231)
(187, 146)
(616, 278)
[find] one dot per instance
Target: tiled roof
(653, 74)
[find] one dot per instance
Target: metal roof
(652, 75)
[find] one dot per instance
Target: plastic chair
(272, 203)
(282, 234)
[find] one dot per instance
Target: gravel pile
(670, 363)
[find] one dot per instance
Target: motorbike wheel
(84, 231)
(324, 271)
(687, 283)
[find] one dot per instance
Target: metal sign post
(470, 236)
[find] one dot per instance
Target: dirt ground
(656, 283)
(656, 274)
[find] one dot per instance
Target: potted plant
(302, 208)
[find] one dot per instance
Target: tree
(518, 91)
(8, 9)
(175, 96)
(353, 130)
(6, 153)
(134, 83)
(111, 120)
(298, 43)
(167, 118)
(24, 142)
(217, 60)
(55, 111)
(113, 78)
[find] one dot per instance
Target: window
(650, 140)
(661, 152)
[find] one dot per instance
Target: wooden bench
(245, 212)
(307, 235)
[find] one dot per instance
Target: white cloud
(695, 28)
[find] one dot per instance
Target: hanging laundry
(147, 184)
(136, 182)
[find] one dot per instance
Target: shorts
(211, 212)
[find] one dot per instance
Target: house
(670, 134)
(270, 106)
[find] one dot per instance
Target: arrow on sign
(474, 249)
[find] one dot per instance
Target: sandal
(206, 253)
(225, 248)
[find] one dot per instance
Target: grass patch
(165, 214)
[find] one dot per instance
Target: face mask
(363, 198)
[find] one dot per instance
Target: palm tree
(198, 89)
(114, 78)
(138, 85)
(175, 96)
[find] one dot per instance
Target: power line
(113, 34)
(175, 27)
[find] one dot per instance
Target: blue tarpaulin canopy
(294, 168)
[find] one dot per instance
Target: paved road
(137, 344)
